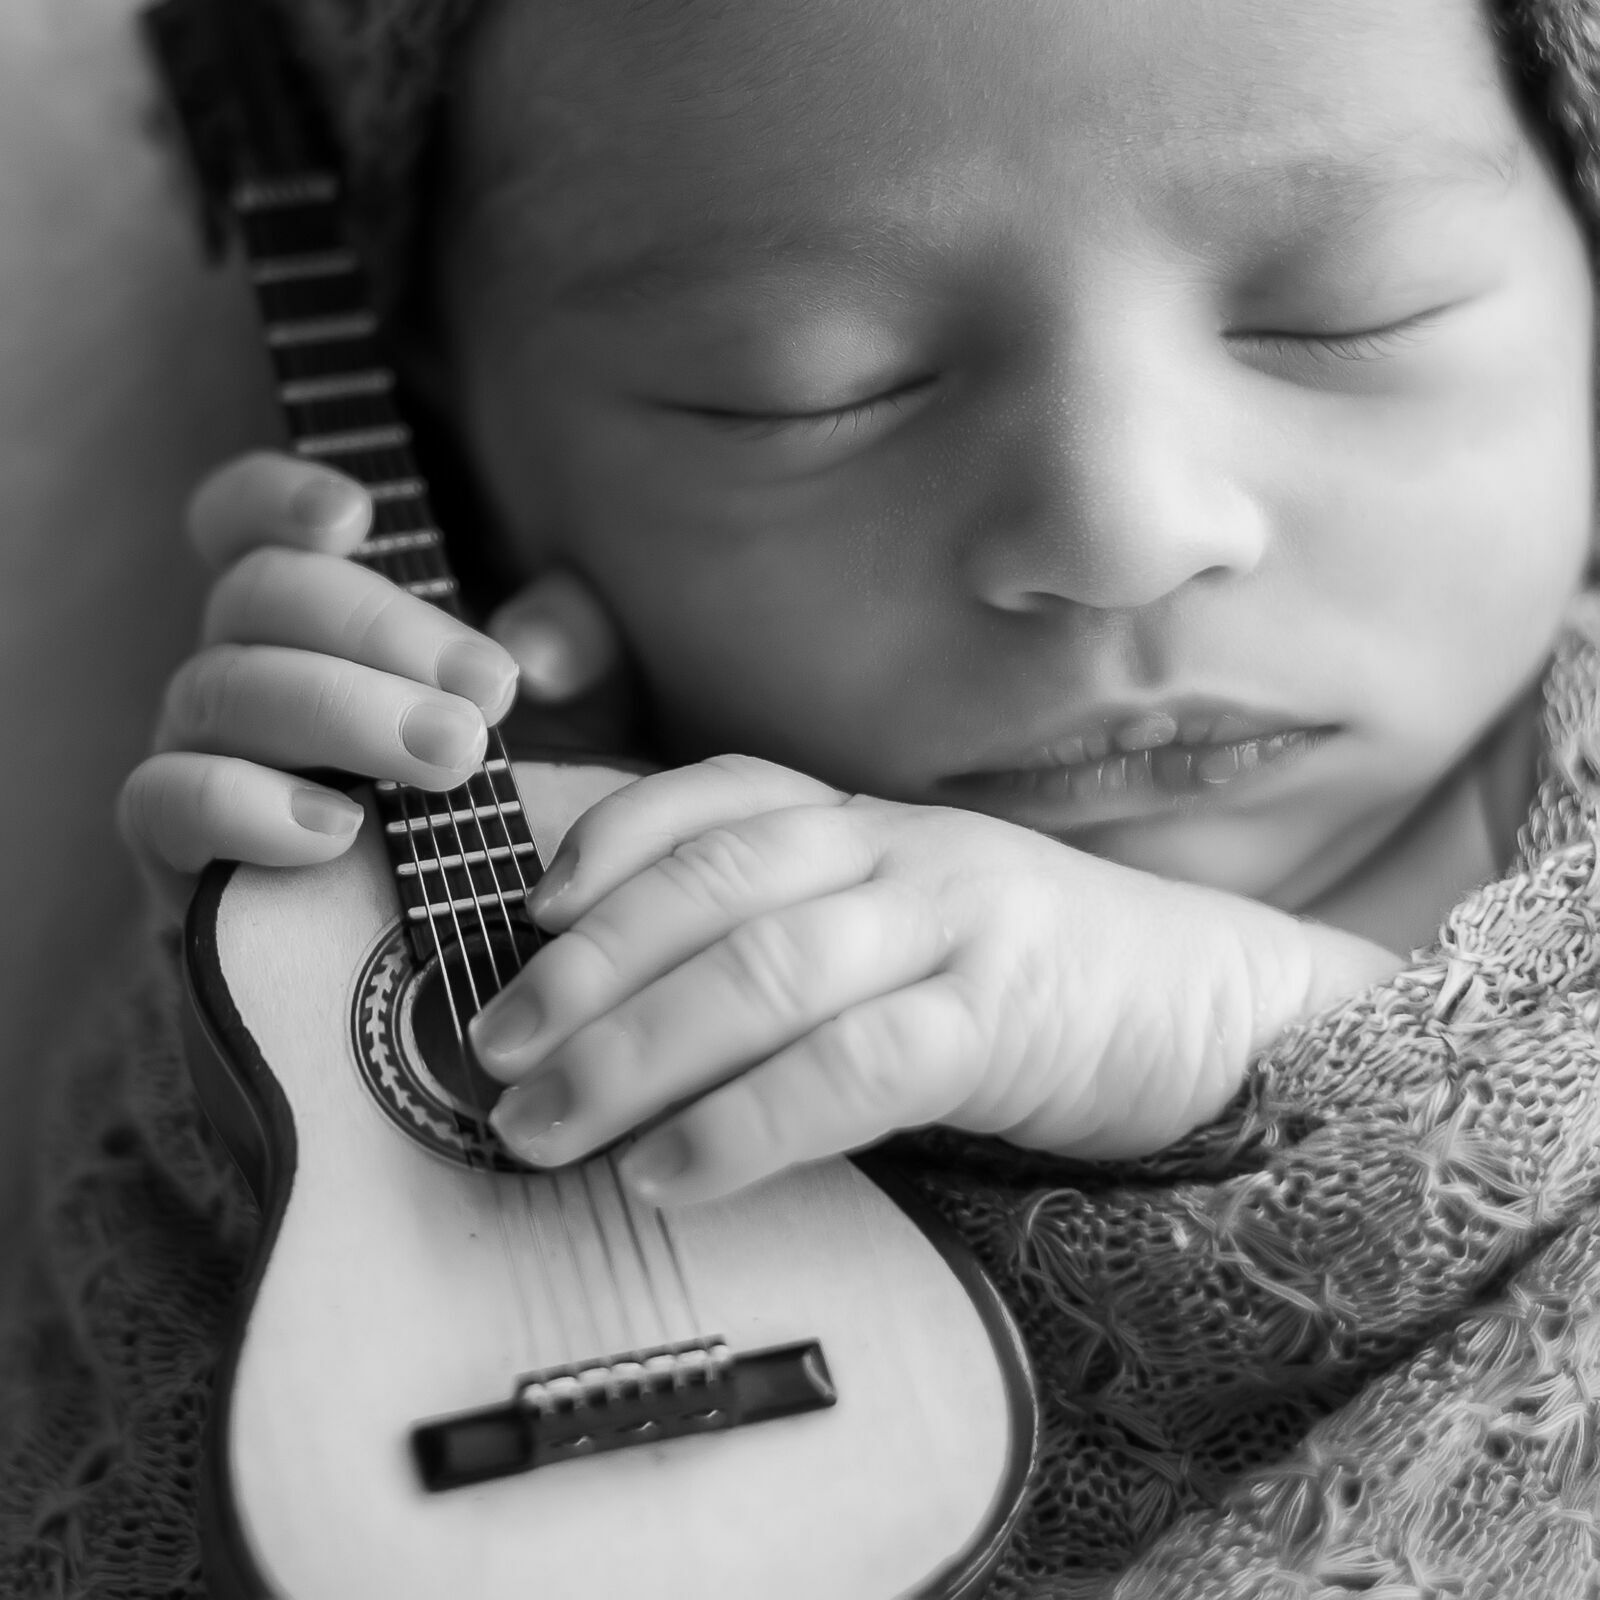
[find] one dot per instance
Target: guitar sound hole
(459, 987)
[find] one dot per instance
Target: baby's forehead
(601, 132)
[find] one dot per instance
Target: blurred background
(127, 368)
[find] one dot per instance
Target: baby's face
(958, 398)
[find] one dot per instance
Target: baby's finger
(560, 637)
(898, 1061)
(637, 825)
(766, 985)
(656, 920)
(180, 810)
(334, 607)
(292, 709)
(263, 498)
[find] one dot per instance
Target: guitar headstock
(243, 100)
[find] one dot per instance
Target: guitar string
(519, 1289)
(563, 1216)
(519, 1186)
(608, 1157)
(595, 1216)
(651, 1287)
(409, 569)
(463, 799)
(529, 1185)
(477, 903)
(625, 1317)
(526, 1184)
(670, 1241)
(565, 1339)
(454, 801)
(575, 1256)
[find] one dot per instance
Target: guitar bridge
(637, 1398)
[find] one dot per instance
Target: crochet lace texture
(1344, 1340)
(143, 1233)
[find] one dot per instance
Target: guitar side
(379, 1297)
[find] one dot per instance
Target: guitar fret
(390, 544)
(322, 330)
(470, 902)
(280, 194)
(341, 386)
(388, 786)
(471, 858)
(328, 419)
(430, 588)
(390, 436)
(299, 268)
(394, 489)
(492, 765)
(442, 819)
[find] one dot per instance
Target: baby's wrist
(1276, 970)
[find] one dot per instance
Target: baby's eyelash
(763, 424)
(1363, 344)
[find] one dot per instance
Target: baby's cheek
(744, 650)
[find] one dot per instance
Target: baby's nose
(1119, 495)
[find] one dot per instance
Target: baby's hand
(308, 661)
(802, 972)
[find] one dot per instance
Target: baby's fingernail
(530, 1117)
(476, 671)
(555, 883)
(327, 502)
(506, 1030)
(318, 811)
(652, 1164)
(443, 735)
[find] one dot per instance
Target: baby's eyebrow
(719, 256)
(1331, 188)
(1340, 186)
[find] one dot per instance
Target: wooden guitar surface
(395, 1286)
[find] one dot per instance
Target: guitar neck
(335, 383)
(460, 857)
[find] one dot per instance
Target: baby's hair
(382, 67)
(385, 68)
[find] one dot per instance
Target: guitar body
(395, 1285)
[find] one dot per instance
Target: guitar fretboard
(465, 860)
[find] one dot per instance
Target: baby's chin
(1279, 860)
(1287, 846)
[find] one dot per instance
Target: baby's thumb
(560, 636)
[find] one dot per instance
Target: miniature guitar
(452, 1376)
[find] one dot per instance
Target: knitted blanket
(1346, 1339)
